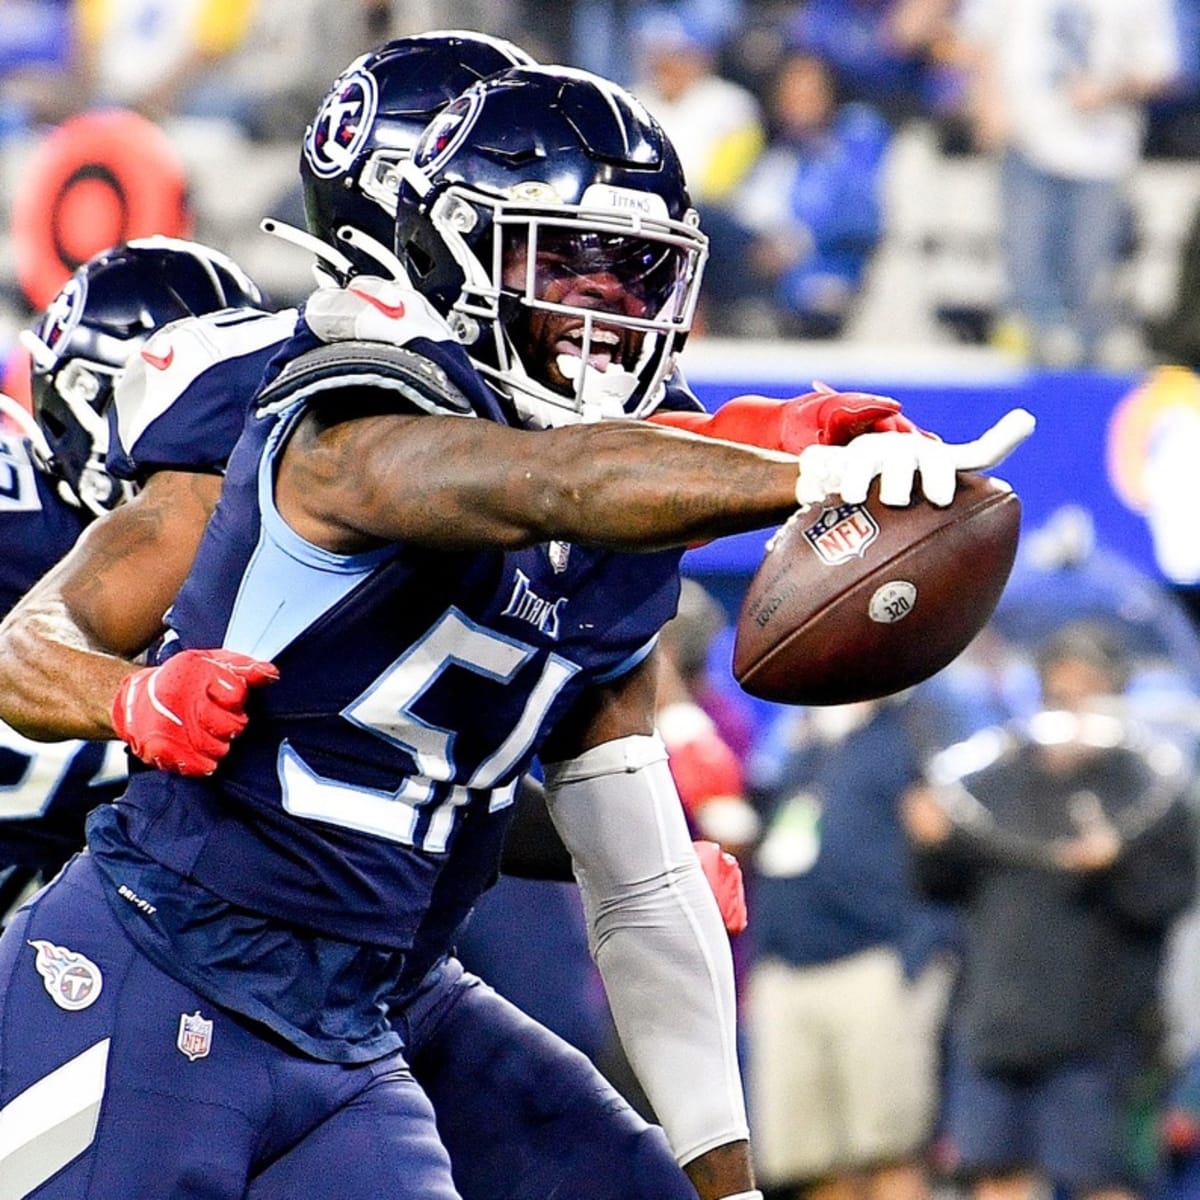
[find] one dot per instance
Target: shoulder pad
(176, 356)
(417, 381)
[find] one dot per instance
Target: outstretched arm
(459, 484)
(68, 644)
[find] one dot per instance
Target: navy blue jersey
(367, 799)
(179, 406)
(678, 396)
(37, 526)
(181, 402)
(46, 788)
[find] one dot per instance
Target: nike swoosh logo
(160, 362)
(392, 311)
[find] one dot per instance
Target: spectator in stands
(1067, 843)
(270, 83)
(715, 124)
(809, 215)
(601, 33)
(850, 969)
(37, 80)
(1065, 574)
(259, 66)
(147, 55)
(1060, 94)
(886, 53)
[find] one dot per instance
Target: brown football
(856, 601)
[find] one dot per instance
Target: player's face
(599, 273)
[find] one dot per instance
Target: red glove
(820, 417)
(183, 715)
(702, 764)
(724, 876)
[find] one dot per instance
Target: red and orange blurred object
(97, 179)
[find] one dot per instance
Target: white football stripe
(51, 1122)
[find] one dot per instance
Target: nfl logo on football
(842, 533)
(195, 1036)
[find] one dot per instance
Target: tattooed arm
(67, 645)
(455, 484)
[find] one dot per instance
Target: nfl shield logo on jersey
(73, 981)
(195, 1036)
(839, 534)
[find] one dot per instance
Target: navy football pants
(524, 1115)
(112, 1084)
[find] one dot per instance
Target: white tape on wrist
(754, 1195)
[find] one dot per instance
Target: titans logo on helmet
(342, 124)
(64, 312)
(446, 132)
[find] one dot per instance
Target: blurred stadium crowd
(842, 151)
(839, 153)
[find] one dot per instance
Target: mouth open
(603, 349)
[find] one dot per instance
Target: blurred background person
(715, 124)
(708, 733)
(890, 54)
(268, 83)
(1067, 842)
(1060, 94)
(790, 255)
(602, 35)
(1065, 574)
(850, 968)
(146, 55)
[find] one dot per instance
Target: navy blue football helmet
(546, 215)
(371, 118)
(102, 315)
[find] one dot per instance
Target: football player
(452, 572)
(363, 128)
(56, 483)
(174, 418)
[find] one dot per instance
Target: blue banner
(1126, 449)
